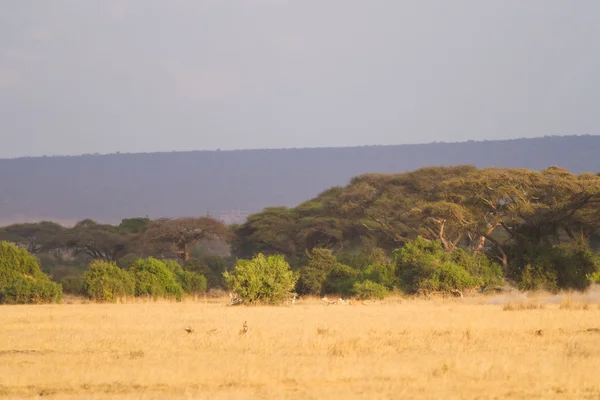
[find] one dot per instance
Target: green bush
(24, 290)
(262, 280)
(425, 265)
(325, 274)
(449, 276)
(211, 267)
(311, 280)
(594, 277)
(314, 275)
(383, 274)
(478, 265)
(73, 284)
(340, 279)
(369, 290)
(536, 277)
(155, 279)
(21, 279)
(191, 282)
(106, 282)
(553, 267)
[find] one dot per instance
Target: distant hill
(232, 184)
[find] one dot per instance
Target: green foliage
(24, 290)
(535, 277)
(355, 259)
(383, 274)
(73, 284)
(155, 279)
(594, 277)
(311, 280)
(314, 275)
(127, 260)
(57, 266)
(361, 257)
(478, 265)
(16, 261)
(369, 290)
(21, 279)
(134, 225)
(106, 282)
(212, 267)
(574, 262)
(553, 267)
(191, 282)
(340, 279)
(449, 276)
(425, 265)
(271, 231)
(261, 280)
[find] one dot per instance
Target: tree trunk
(186, 253)
(307, 253)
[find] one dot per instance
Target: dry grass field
(472, 348)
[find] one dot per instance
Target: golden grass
(396, 349)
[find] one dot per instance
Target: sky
(99, 76)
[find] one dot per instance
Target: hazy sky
(147, 75)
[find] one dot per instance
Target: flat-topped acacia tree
(178, 235)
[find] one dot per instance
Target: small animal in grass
(189, 329)
(244, 329)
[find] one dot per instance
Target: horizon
(298, 148)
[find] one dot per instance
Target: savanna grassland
(476, 347)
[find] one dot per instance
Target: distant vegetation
(435, 229)
(230, 185)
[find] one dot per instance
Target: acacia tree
(177, 236)
(98, 241)
(271, 231)
(35, 237)
(394, 205)
(505, 206)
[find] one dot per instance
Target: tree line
(442, 229)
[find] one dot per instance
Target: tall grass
(396, 348)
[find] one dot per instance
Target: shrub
(424, 264)
(594, 277)
(478, 265)
(72, 284)
(106, 282)
(155, 279)
(449, 276)
(313, 276)
(21, 279)
(311, 280)
(369, 290)
(190, 281)
(24, 290)
(211, 267)
(553, 267)
(536, 276)
(361, 259)
(574, 262)
(340, 279)
(383, 274)
(262, 280)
